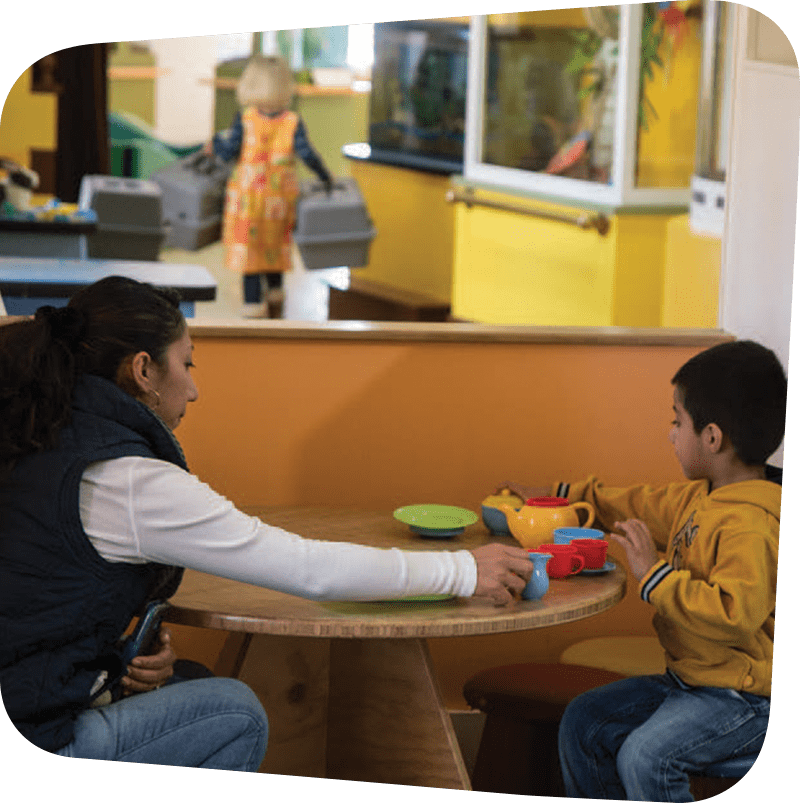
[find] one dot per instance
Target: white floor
(306, 291)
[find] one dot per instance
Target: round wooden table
(348, 686)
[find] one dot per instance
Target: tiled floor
(306, 291)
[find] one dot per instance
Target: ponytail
(37, 376)
(41, 358)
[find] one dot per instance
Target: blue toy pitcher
(537, 586)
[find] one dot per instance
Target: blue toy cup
(564, 535)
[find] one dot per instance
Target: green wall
(136, 97)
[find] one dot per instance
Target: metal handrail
(584, 221)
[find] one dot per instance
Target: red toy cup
(566, 560)
(593, 550)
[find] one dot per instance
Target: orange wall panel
(382, 424)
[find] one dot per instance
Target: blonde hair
(266, 81)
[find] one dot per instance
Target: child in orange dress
(261, 193)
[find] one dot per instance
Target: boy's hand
(502, 571)
(639, 546)
(523, 491)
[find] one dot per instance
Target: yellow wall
(413, 249)
(666, 151)
(28, 120)
(511, 268)
(640, 249)
(691, 280)
(504, 268)
(379, 424)
(557, 18)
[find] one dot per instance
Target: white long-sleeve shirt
(137, 509)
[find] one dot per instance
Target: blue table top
(39, 277)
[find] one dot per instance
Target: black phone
(144, 635)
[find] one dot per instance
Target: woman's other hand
(148, 672)
(502, 571)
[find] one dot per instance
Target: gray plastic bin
(333, 230)
(193, 194)
(128, 217)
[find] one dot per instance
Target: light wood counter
(454, 332)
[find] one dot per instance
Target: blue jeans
(253, 287)
(638, 738)
(217, 723)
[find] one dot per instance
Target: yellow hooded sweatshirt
(714, 594)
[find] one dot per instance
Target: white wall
(759, 242)
(184, 102)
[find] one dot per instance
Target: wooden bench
(523, 703)
(366, 300)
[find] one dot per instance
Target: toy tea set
(549, 526)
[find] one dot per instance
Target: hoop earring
(158, 397)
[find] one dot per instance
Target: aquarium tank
(418, 97)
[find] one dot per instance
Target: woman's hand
(502, 571)
(524, 491)
(639, 546)
(148, 672)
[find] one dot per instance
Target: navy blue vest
(63, 608)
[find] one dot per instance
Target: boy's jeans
(638, 738)
(217, 723)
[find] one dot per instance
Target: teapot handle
(589, 508)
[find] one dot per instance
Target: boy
(713, 594)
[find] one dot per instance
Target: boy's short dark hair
(741, 387)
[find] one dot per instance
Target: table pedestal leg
(290, 677)
(386, 719)
(354, 709)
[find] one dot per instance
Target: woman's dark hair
(741, 387)
(40, 358)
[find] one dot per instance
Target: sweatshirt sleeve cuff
(574, 491)
(561, 489)
(654, 578)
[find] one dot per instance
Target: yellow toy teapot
(534, 523)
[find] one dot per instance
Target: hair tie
(66, 324)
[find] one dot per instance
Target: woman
(99, 514)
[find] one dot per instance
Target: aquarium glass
(419, 86)
(550, 92)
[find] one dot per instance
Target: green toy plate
(428, 598)
(435, 521)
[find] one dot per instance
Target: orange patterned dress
(261, 194)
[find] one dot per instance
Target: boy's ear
(713, 438)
